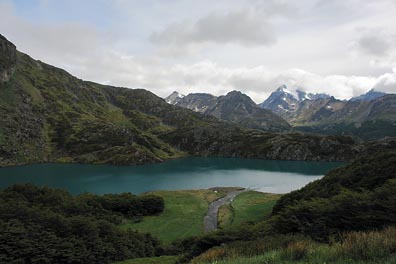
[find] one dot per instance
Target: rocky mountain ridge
(369, 116)
(234, 107)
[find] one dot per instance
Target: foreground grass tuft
(354, 248)
(154, 260)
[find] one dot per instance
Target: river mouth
(179, 174)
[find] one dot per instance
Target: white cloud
(387, 82)
(206, 76)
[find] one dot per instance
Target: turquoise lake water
(179, 174)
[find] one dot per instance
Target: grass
(274, 258)
(183, 214)
(353, 248)
(154, 260)
(251, 206)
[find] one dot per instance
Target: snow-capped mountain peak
(173, 98)
(287, 100)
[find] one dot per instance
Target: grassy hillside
(153, 260)
(375, 247)
(49, 115)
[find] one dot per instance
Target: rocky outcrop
(174, 98)
(7, 59)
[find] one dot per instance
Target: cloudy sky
(342, 47)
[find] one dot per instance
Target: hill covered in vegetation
(48, 115)
(359, 196)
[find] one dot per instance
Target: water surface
(186, 173)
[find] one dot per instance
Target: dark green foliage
(130, 205)
(42, 225)
(217, 140)
(359, 196)
(367, 130)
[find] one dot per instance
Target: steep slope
(370, 95)
(281, 101)
(7, 58)
(174, 98)
(198, 102)
(369, 116)
(47, 115)
(234, 107)
(359, 196)
(368, 119)
(314, 111)
(286, 103)
(239, 108)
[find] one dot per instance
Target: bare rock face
(234, 107)
(7, 59)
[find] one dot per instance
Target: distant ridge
(282, 101)
(235, 107)
(370, 95)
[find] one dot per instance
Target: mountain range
(48, 115)
(283, 101)
(235, 107)
(368, 116)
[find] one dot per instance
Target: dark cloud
(248, 26)
(375, 42)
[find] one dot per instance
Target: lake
(178, 174)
